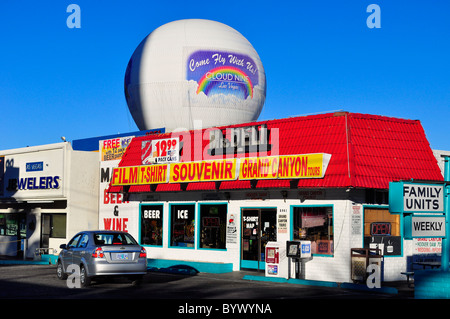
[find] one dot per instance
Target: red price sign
(163, 147)
(161, 151)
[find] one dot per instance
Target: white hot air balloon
(194, 70)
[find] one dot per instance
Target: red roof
(367, 151)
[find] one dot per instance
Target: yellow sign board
(258, 168)
(203, 171)
(139, 175)
(301, 166)
(269, 167)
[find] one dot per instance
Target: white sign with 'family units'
(423, 198)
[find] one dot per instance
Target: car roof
(102, 231)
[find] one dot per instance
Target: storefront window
(151, 224)
(182, 228)
(54, 225)
(58, 226)
(315, 224)
(382, 230)
(213, 221)
(13, 225)
(2, 224)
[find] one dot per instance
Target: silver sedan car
(102, 253)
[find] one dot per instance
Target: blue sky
(318, 56)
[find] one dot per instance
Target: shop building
(47, 194)
(440, 156)
(217, 196)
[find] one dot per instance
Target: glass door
(21, 233)
(45, 230)
(258, 228)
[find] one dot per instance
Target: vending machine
(276, 260)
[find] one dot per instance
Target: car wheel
(60, 271)
(85, 281)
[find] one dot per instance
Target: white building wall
(82, 192)
(82, 195)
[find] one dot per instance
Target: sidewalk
(7, 260)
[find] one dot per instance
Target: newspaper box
(299, 252)
(275, 260)
(298, 248)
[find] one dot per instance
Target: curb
(24, 262)
(384, 290)
(329, 284)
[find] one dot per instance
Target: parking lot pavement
(32, 288)
(40, 281)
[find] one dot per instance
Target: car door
(80, 250)
(67, 254)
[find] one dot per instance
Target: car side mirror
(63, 246)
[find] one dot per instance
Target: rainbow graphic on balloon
(226, 78)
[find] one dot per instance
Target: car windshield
(114, 239)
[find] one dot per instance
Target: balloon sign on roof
(218, 72)
(194, 71)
